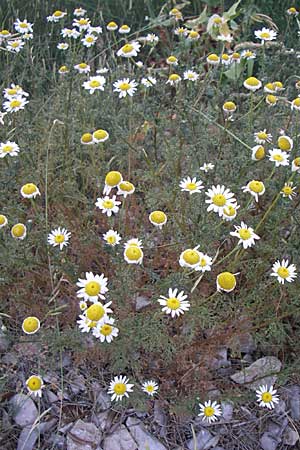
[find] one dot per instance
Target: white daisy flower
(152, 38)
(83, 305)
(252, 84)
(226, 282)
(295, 104)
(112, 237)
(89, 40)
(258, 153)
(248, 54)
(288, 190)
(119, 387)
(150, 387)
(172, 60)
(62, 46)
(230, 212)
(84, 324)
(206, 167)
(158, 218)
(106, 331)
(83, 67)
(70, 33)
(35, 385)
(108, 205)
(3, 221)
(295, 164)
(63, 70)
(245, 234)
(97, 30)
(267, 397)
(9, 148)
(219, 198)
(100, 136)
(19, 231)
(181, 31)
(15, 46)
(56, 16)
(112, 180)
(213, 59)
(111, 26)
(94, 84)
(59, 236)
(175, 304)
(225, 59)
(255, 188)
(191, 185)
(124, 29)
(125, 188)
(79, 12)
(279, 157)
(29, 190)
(149, 81)
(285, 143)
(15, 104)
(133, 253)
(193, 35)
(103, 70)
(210, 411)
(82, 24)
(173, 79)
(22, 26)
(31, 325)
(190, 75)
(191, 258)
(129, 50)
(134, 242)
(125, 87)
(283, 271)
(205, 263)
(14, 91)
(265, 34)
(92, 287)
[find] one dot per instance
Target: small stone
(269, 442)
(83, 436)
(290, 436)
(227, 410)
(103, 401)
(261, 372)
(294, 399)
(219, 359)
(120, 439)
(141, 436)
(23, 410)
(141, 302)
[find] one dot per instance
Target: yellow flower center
(209, 411)
(111, 239)
(191, 256)
(278, 157)
(23, 25)
(265, 35)
(108, 204)
(18, 230)
(34, 383)
(58, 13)
(126, 186)
(262, 135)
(226, 280)
(284, 143)
(59, 238)
(94, 83)
(15, 44)
(124, 86)
(256, 186)
(296, 102)
(219, 200)
(127, 48)
(133, 253)
(124, 27)
(92, 288)
(172, 59)
(82, 65)
(112, 25)
(225, 57)
(31, 324)
(83, 21)
(297, 162)
(235, 55)
(271, 99)
(283, 272)
(191, 186)
(2, 219)
(29, 188)
(95, 312)
(230, 106)
(106, 329)
(92, 324)
(270, 86)
(158, 216)
(7, 148)
(174, 77)
(15, 103)
(260, 152)
(213, 57)
(113, 178)
(90, 39)
(287, 190)
(193, 34)
(229, 211)
(244, 233)
(120, 388)
(5, 32)
(12, 91)
(100, 134)
(203, 262)
(63, 69)
(252, 81)
(173, 303)
(217, 20)
(87, 137)
(150, 388)
(248, 54)
(266, 397)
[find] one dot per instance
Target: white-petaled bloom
(3, 221)
(9, 148)
(210, 411)
(22, 26)
(236, 57)
(95, 83)
(283, 271)
(245, 234)
(124, 29)
(94, 315)
(129, 50)
(31, 325)
(14, 105)
(82, 24)
(205, 262)
(112, 179)
(150, 387)
(191, 185)
(288, 190)
(106, 331)
(296, 164)
(172, 60)
(176, 13)
(193, 35)
(139, 64)
(92, 287)
(119, 387)
(151, 38)
(82, 67)
(133, 253)
(265, 34)
(175, 304)
(261, 137)
(219, 198)
(56, 16)
(279, 157)
(97, 30)
(4, 34)
(190, 75)
(87, 139)
(252, 84)
(270, 88)
(112, 237)
(225, 59)
(29, 190)
(158, 218)
(213, 59)
(63, 46)
(63, 70)
(149, 81)
(84, 324)
(206, 167)
(248, 54)
(89, 40)
(226, 282)
(83, 305)
(19, 231)
(125, 188)
(230, 212)
(59, 236)
(191, 258)
(285, 143)
(14, 91)
(229, 107)
(267, 397)
(255, 188)
(108, 205)
(173, 79)
(125, 87)
(181, 31)
(258, 153)
(79, 12)
(35, 385)
(295, 104)
(134, 242)
(100, 136)
(15, 46)
(111, 26)
(70, 33)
